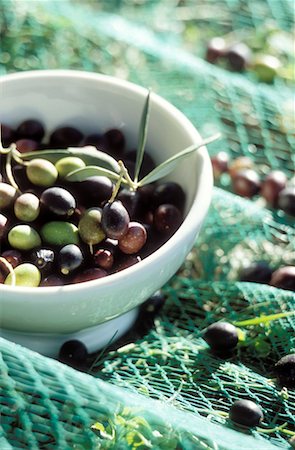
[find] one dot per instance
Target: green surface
(161, 45)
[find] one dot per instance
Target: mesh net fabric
(47, 405)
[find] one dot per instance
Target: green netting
(158, 43)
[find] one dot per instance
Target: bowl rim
(199, 206)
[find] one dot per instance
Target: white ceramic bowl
(95, 103)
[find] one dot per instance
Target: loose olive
(60, 233)
(27, 207)
(266, 68)
(26, 274)
(41, 172)
(245, 413)
(68, 164)
(23, 237)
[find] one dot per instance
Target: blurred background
(228, 65)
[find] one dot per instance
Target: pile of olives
(237, 56)
(278, 192)
(56, 232)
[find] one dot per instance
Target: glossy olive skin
(221, 336)
(245, 413)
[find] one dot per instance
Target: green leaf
(89, 154)
(142, 136)
(89, 171)
(170, 164)
(263, 319)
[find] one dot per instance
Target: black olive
(58, 201)
(245, 413)
(74, 353)
(259, 272)
(285, 371)
(221, 336)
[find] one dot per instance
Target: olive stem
(8, 168)
(133, 185)
(17, 157)
(10, 268)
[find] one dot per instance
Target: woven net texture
(175, 394)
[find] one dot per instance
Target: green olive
(23, 237)
(68, 164)
(25, 275)
(266, 68)
(60, 233)
(27, 207)
(42, 172)
(90, 227)
(7, 195)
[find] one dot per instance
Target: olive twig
(8, 168)
(11, 270)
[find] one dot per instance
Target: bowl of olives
(97, 208)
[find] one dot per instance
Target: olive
(68, 164)
(27, 207)
(89, 275)
(60, 233)
(31, 129)
(52, 280)
(114, 220)
(7, 195)
(14, 257)
(97, 140)
(285, 371)
(90, 228)
(284, 278)
(271, 187)
(124, 263)
(246, 183)
(74, 353)
(131, 201)
(41, 172)
(167, 218)
(134, 239)
(221, 336)
(104, 258)
(7, 135)
(24, 237)
(93, 191)
(220, 163)
(245, 413)
(286, 200)
(69, 258)
(115, 142)
(26, 145)
(171, 193)
(3, 272)
(58, 201)
(240, 163)
(26, 274)
(259, 272)
(239, 56)
(3, 223)
(266, 68)
(155, 303)
(64, 137)
(216, 49)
